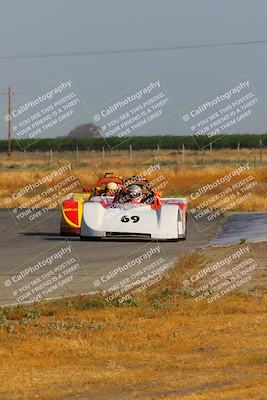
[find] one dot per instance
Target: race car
(136, 211)
(72, 207)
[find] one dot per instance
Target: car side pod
(89, 208)
(70, 217)
(182, 216)
(182, 220)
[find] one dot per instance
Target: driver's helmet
(112, 186)
(135, 192)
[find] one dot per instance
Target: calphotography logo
(129, 278)
(45, 112)
(230, 272)
(223, 112)
(40, 199)
(46, 276)
(133, 111)
(212, 199)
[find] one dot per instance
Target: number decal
(134, 219)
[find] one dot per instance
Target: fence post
(202, 158)
(77, 154)
(260, 151)
(183, 149)
(130, 152)
(50, 158)
(238, 153)
(103, 155)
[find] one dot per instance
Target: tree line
(137, 143)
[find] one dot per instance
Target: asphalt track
(97, 258)
(250, 226)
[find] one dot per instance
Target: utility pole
(9, 93)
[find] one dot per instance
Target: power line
(127, 51)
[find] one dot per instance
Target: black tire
(90, 238)
(84, 238)
(67, 234)
(184, 236)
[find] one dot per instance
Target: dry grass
(181, 173)
(166, 346)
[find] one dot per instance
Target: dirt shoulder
(170, 342)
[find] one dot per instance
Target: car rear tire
(84, 238)
(184, 235)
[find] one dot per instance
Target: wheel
(90, 238)
(183, 236)
(84, 238)
(67, 234)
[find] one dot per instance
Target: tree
(89, 130)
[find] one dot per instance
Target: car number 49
(133, 219)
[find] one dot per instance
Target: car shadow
(53, 236)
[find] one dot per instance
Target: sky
(33, 27)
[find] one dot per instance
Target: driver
(108, 189)
(135, 194)
(111, 188)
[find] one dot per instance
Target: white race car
(147, 216)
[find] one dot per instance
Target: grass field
(183, 172)
(162, 345)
